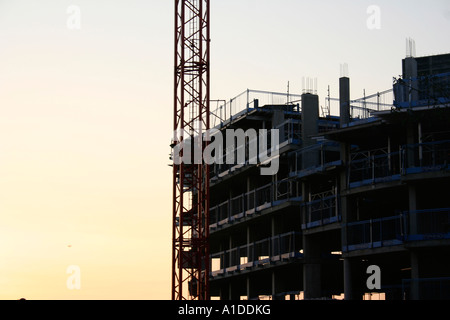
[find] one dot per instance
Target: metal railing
(375, 233)
(363, 108)
(427, 155)
(422, 91)
(426, 288)
(327, 153)
(374, 164)
(253, 201)
(323, 209)
(277, 248)
(428, 224)
(417, 225)
(290, 131)
(250, 100)
(223, 166)
(368, 167)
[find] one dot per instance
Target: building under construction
(369, 187)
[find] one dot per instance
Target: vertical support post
(419, 129)
(348, 283)
(310, 118)
(344, 100)
(312, 268)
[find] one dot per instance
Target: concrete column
(410, 75)
(229, 260)
(277, 286)
(412, 199)
(410, 140)
(312, 270)
(249, 248)
(310, 128)
(415, 275)
(306, 197)
(420, 140)
(276, 226)
(348, 283)
(413, 229)
(233, 292)
(276, 280)
(224, 292)
(344, 100)
(223, 257)
(251, 293)
(345, 219)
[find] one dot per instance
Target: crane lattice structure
(190, 253)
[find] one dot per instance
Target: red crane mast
(190, 252)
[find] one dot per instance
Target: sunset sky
(86, 116)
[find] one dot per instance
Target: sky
(86, 102)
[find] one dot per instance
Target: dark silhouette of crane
(190, 252)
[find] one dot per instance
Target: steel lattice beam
(190, 254)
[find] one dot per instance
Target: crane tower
(190, 252)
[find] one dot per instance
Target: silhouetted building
(367, 188)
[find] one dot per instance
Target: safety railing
(429, 224)
(242, 155)
(327, 153)
(380, 165)
(363, 108)
(426, 289)
(237, 205)
(256, 200)
(429, 156)
(374, 165)
(250, 100)
(274, 249)
(286, 189)
(262, 196)
(422, 91)
(290, 132)
(375, 233)
(323, 209)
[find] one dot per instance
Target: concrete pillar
(413, 229)
(348, 283)
(251, 292)
(344, 110)
(250, 256)
(230, 247)
(410, 140)
(412, 202)
(224, 292)
(415, 276)
(312, 270)
(410, 76)
(233, 292)
(310, 128)
(347, 216)
(306, 198)
(276, 226)
(277, 286)
(344, 100)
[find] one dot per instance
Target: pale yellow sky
(84, 152)
(86, 116)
